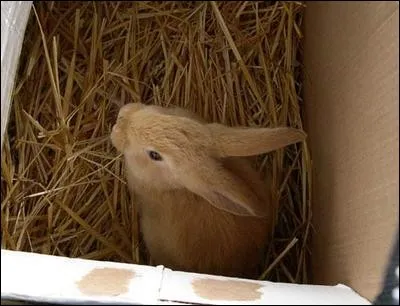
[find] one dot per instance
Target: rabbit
(202, 207)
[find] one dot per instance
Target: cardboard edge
(55, 279)
(178, 286)
(59, 276)
(14, 19)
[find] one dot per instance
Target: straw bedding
(62, 182)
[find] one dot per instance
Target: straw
(63, 184)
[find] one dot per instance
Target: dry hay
(63, 188)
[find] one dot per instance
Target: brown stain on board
(106, 281)
(228, 290)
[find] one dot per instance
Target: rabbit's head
(168, 151)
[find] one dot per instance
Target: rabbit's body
(183, 231)
(202, 207)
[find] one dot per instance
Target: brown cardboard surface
(352, 118)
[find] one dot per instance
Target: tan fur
(201, 210)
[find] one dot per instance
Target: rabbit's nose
(117, 138)
(112, 134)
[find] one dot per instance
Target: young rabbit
(202, 207)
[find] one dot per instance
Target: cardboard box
(351, 106)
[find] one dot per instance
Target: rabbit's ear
(239, 141)
(225, 191)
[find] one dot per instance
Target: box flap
(55, 279)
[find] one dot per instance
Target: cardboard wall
(352, 118)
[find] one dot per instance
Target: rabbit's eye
(154, 155)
